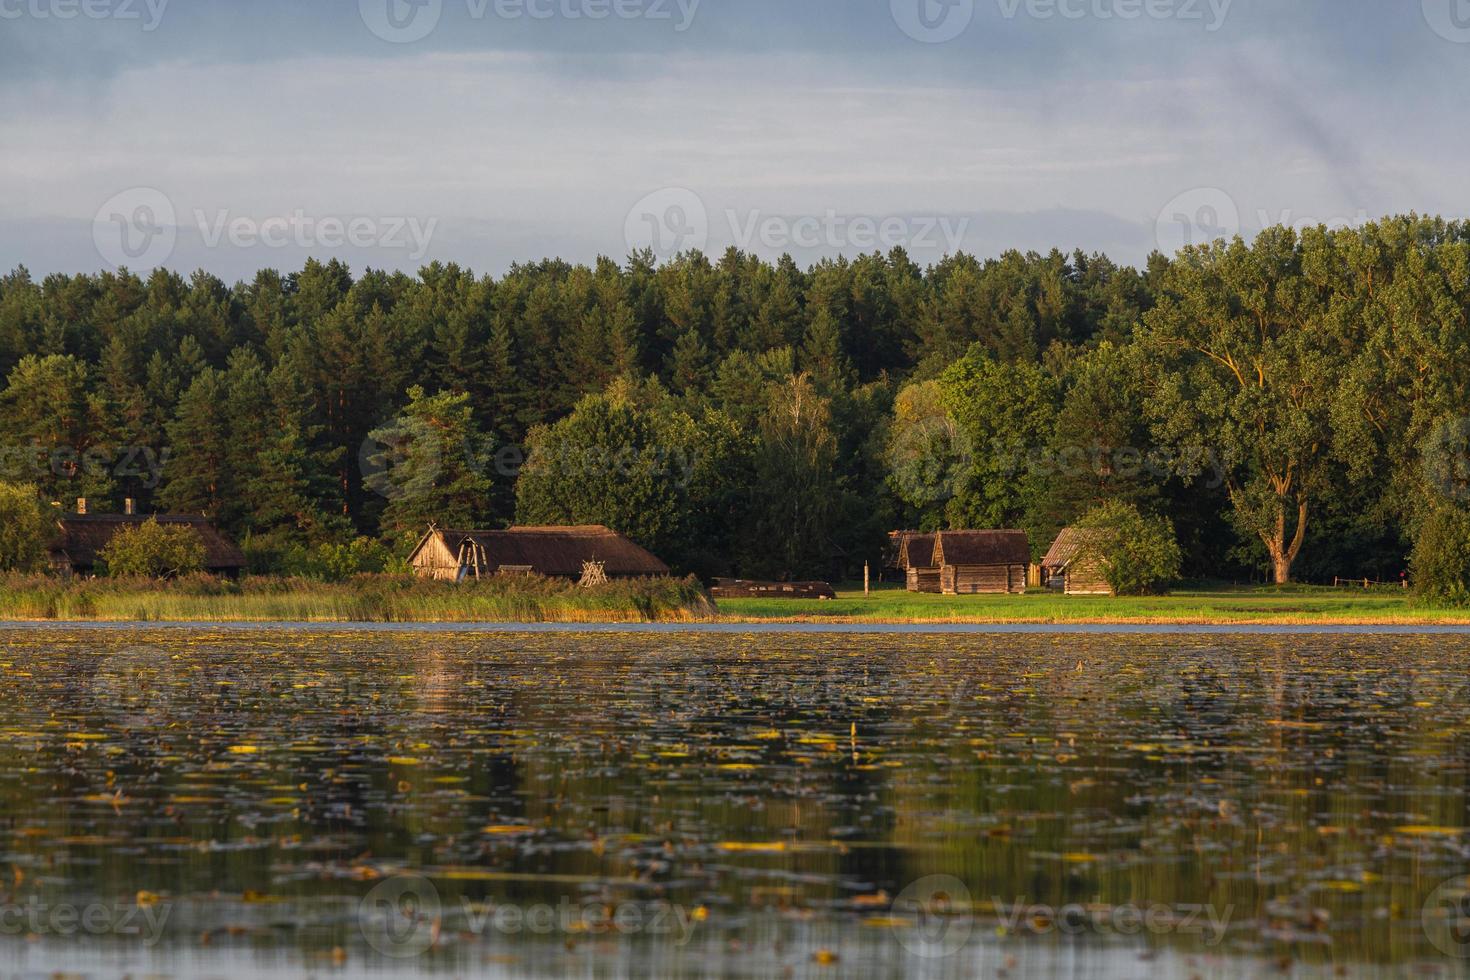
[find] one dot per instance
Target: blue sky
(237, 135)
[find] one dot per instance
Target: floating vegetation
(742, 805)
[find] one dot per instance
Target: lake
(264, 802)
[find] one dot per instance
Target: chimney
(82, 506)
(130, 506)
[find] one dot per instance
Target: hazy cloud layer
(264, 132)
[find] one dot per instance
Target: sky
(235, 135)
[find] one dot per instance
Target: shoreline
(736, 624)
(669, 602)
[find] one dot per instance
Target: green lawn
(1294, 604)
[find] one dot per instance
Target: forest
(1295, 405)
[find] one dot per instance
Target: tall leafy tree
(795, 495)
(610, 462)
(1247, 366)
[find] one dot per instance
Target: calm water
(356, 803)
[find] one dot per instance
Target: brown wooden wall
(1086, 578)
(434, 561)
(983, 579)
(923, 580)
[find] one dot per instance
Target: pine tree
(823, 357)
(196, 474)
(432, 465)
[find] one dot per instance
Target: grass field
(1290, 605)
(523, 600)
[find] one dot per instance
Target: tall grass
(366, 598)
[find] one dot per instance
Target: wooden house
(556, 552)
(1072, 567)
(975, 562)
(81, 537)
(916, 561)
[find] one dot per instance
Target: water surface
(266, 801)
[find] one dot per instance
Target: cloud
(526, 137)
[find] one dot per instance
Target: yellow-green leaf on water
(1416, 830)
(887, 922)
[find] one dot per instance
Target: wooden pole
(867, 581)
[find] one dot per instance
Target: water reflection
(243, 802)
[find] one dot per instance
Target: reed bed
(367, 598)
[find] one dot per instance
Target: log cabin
(81, 538)
(982, 562)
(916, 561)
(1071, 567)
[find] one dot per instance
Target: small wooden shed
(81, 538)
(1071, 566)
(916, 559)
(556, 552)
(976, 562)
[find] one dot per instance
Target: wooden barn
(1070, 567)
(556, 552)
(916, 561)
(81, 537)
(975, 562)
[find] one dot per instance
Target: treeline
(1293, 405)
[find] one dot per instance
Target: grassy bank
(387, 599)
(374, 599)
(1293, 605)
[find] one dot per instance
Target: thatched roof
(82, 536)
(555, 551)
(982, 548)
(1065, 549)
(915, 550)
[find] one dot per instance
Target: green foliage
(1139, 554)
(25, 528)
(1295, 403)
(795, 499)
(1439, 568)
(613, 462)
(54, 426)
(433, 465)
(1249, 354)
(153, 550)
(1004, 414)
